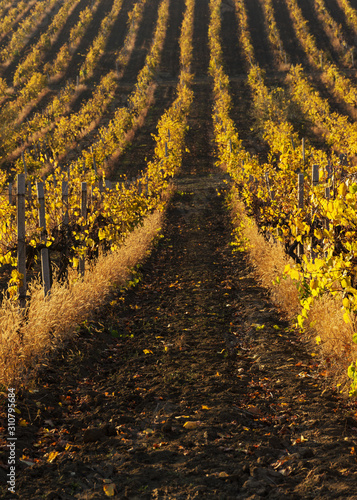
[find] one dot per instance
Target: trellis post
(315, 181)
(84, 217)
(300, 248)
(21, 233)
(24, 162)
(315, 175)
(10, 194)
(45, 261)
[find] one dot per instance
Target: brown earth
(189, 383)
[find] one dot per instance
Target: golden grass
(335, 351)
(50, 321)
(268, 259)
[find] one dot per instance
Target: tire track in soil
(251, 390)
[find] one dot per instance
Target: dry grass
(51, 321)
(269, 260)
(336, 348)
(336, 351)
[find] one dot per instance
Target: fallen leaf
(109, 489)
(26, 461)
(191, 425)
(52, 456)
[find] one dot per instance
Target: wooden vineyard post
(328, 197)
(65, 204)
(270, 192)
(24, 162)
(21, 233)
(303, 149)
(29, 191)
(65, 223)
(300, 248)
(315, 175)
(45, 261)
(300, 190)
(10, 194)
(84, 216)
(315, 181)
(94, 162)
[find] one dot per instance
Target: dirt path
(258, 34)
(234, 62)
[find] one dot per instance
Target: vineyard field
(178, 249)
